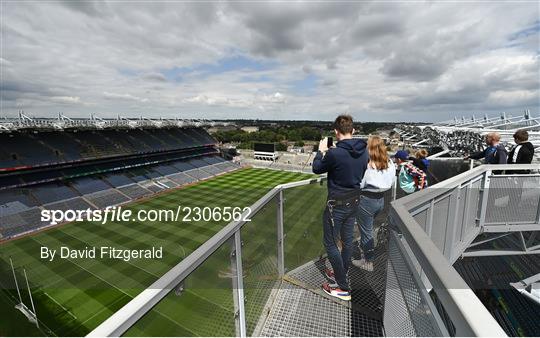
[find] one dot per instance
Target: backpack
(411, 178)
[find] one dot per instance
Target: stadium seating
(77, 203)
(52, 192)
(182, 178)
(165, 181)
(92, 169)
(88, 185)
(134, 191)
(43, 148)
(105, 198)
(198, 174)
(118, 179)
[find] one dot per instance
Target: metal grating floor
(300, 312)
(301, 308)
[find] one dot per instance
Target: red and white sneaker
(329, 273)
(335, 291)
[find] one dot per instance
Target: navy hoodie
(345, 165)
(492, 155)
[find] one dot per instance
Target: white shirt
(379, 180)
(516, 153)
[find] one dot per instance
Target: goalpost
(30, 314)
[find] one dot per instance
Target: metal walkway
(414, 289)
(301, 308)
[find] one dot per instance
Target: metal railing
(230, 235)
(437, 225)
(250, 259)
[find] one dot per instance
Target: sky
(378, 61)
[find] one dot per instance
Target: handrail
(425, 195)
(461, 303)
(459, 300)
(129, 314)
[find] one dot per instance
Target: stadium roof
(462, 135)
(62, 122)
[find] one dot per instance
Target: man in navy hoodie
(345, 164)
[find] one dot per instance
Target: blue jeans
(368, 208)
(343, 228)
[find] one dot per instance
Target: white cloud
(277, 97)
(383, 61)
(66, 99)
(125, 96)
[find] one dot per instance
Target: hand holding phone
(323, 145)
(330, 142)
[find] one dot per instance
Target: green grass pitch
(73, 296)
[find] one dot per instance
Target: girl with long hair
(379, 178)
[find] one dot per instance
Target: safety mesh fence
(513, 199)
(407, 311)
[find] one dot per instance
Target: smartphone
(330, 142)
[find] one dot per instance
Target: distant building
(215, 129)
(295, 149)
(250, 129)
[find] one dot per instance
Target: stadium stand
(105, 198)
(134, 191)
(198, 174)
(88, 185)
(77, 203)
(182, 179)
(118, 179)
(94, 168)
(52, 192)
(53, 147)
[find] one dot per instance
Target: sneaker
(330, 275)
(335, 291)
(363, 264)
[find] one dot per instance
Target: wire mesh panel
(422, 218)
(513, 199)
(259, 262)
(469, 202)
(302, 223)
(202, 305)
(406, 310)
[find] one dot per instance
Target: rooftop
(413, 290)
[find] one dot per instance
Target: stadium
(347, 168)
(258, 274)
(84, 166)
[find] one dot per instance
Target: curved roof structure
(461, 136)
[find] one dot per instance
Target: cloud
(308, 60)
(421, 67)
(125, 96)
(331, 64)
(66, 99)
(307, 69)
(154, 76)
(277, 97)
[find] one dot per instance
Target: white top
(516, 153)
(379, 180)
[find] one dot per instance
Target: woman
(379, 178)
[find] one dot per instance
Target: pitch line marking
(122, 291)
(62, 306)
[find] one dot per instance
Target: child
(379, 178)
(420, 160)
(411, 178)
